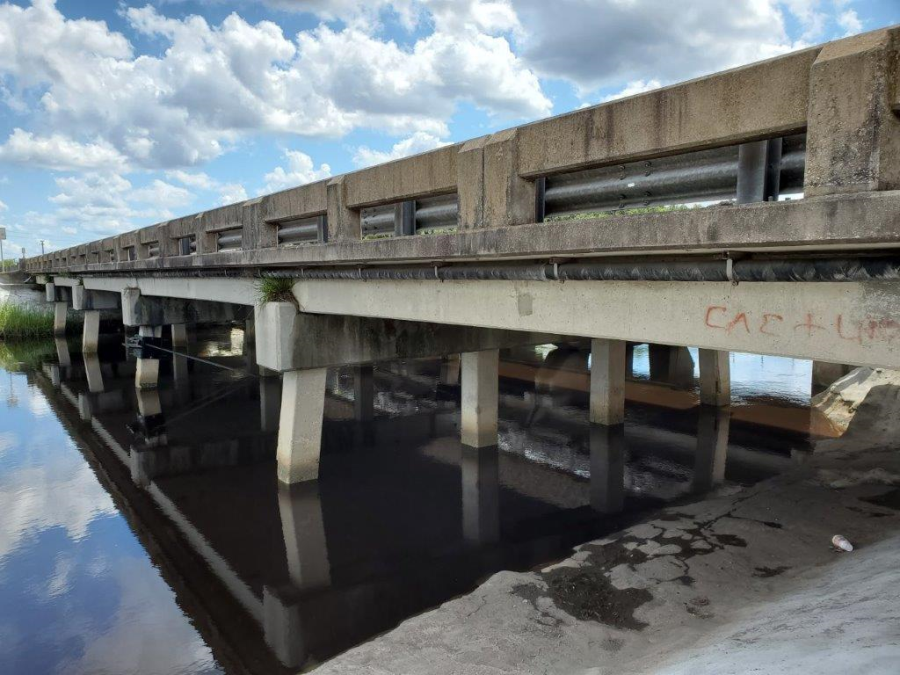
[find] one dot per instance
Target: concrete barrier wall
(845, 95)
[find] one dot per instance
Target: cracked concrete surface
(744, 581)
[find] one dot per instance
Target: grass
(619, 212)
(9, 265)
(275, 289)
(24, 321)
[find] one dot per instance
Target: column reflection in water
(181, 377)
(94, 373)
(712, 447)
(607, 446)
(480, 473)
(306, 548)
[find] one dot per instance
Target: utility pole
(2, 259)
(42, 246)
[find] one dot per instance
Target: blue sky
(115, 115)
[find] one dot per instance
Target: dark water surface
(145, 532)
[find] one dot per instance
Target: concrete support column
(712, 447)
(146, 375)
(608, 364)
(60, 312)
(607, 447)
(480, 472)
(90, 340)
(715, 378)
(673, 365)
(145, 331)
(269, 403)
(826, 374)
(480, 389)
(364, 393)
(344, 223)
(450, 371)
(179, 335)
(50, 291)
(300, 425)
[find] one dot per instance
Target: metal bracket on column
(759, 171)
(405, 219)
(540, 206)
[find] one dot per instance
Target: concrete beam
(763, 100)
(300, 425)
(480, 390)
(84, 299)
(141, 310)
(839, 322)
(290, 340)
(232, 291)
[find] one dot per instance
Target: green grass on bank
(23, 321)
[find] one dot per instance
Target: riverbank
(744, 581)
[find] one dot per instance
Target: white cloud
(59, 152)
(108, 202)
(229, 193)
(849, 21)
(300, 170)
(232, 192)
(69, 230)
(213, 84)
(3, 206)
(634, 88)
(602, 43)
(418, 142)
(199, 180)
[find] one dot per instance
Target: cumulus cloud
(3, 206)
(108, 202)
(300, 170)
(59, 152)
(605, 42)
(634, 88)
(850, 22)
(228, 192)
(213, 84)
(418, 142)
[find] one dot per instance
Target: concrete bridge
(479, 246)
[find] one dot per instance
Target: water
(146, 532)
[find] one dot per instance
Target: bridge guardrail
(843, 98)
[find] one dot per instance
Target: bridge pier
(712, 447)
(480, 391)
(715, 377)
(607, 397)
(300, 425)
(60, 313)
(90, 340)
(50, 292)
(179, 335)
(670, 364)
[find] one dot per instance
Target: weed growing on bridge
(22, 321)
(271, 289)
(587, 215)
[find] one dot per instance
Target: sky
(115, 115)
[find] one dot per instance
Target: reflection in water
(275, 577)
